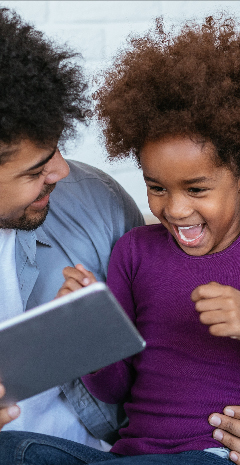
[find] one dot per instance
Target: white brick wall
(97, 29)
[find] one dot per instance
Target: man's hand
(75, 278)
(7, 414)
(228, 430)
(219, 308)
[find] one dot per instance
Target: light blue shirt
(89, 212)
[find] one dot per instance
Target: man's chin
(27, 222)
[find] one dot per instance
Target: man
(42, 96)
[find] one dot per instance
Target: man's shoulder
(89, 189)
(80, 171)
(91, 201)
(89, 182)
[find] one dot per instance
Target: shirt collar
(28, 241)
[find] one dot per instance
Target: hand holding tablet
(7, 414)
(63, 340)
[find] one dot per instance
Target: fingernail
(79, 266)
(13, 411)
(217, 434)
(86, 281)
(229, 412)
(233, 457)
(215, 421)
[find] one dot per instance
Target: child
(174, 104)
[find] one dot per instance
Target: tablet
(63, 340)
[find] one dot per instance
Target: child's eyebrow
(147, 178)
(196, 180)
(187, 181)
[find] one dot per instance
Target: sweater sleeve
(112, 384)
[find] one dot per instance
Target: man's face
(26, 179)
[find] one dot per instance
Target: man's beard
(28, 222)
(24, 223)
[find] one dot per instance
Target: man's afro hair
(42, 90)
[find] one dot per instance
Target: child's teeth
(184, 238)
(188, 227)
(196, 231)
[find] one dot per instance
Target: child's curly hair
(42, 92)
(188, 85)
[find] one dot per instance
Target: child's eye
(157, 189)
(197, 190)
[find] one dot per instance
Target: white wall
(97, 29)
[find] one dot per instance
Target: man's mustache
(46, 191)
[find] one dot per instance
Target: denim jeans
(22, 448)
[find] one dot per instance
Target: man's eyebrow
(43, 162)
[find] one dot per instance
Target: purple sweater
(184, 374)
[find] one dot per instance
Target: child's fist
(219, 308)
(75, 278)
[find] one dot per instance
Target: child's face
(197, 201)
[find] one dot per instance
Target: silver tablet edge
(53, 304)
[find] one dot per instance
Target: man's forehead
(44, 160)
(8, 151)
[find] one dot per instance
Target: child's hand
(219, 308)
(75, 278)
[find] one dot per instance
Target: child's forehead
(179, 158)
(177, 150)
(180, 143)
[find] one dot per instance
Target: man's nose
(57, 168)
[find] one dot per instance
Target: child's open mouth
(189, 235)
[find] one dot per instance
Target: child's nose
(177, 207)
